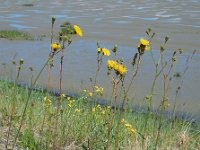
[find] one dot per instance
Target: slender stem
(116, 82)
(99, 64)
(162, 104)
(134, 75)
(27, 101)
(61, 68)
(13, 107)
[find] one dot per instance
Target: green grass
(46, 128)
(15, 35)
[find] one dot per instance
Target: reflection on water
(122, 22)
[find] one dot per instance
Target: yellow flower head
(132, 130)
(99, 49)
(144, 42)
(47, 103)
(78, 30)
(63, 95)
(103, 112)
(111, 63)
(77, 110)
(122, 120)
(105, 51)
(98, 90)
(55, 46)
(90, 94)
(128, 125)
(122, 69)
(108, 107)
(99, 106)
(144, 45)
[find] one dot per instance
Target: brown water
(122, 22)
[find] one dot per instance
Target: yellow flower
(128, 125)
(55, 46)
(103, 112)
(111, 63)
(144, 42)
(98, 90)
(168, 105)
(99, 106)
(77, 110)
(122, 69)
(47, 102)
(122, 120)
(108, 107)
(63, 95)
(105, 51)
(132, 130)
(99, 49)
(90, 94)
(78, 30)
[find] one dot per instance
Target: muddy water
(114, 21)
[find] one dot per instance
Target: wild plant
(56, 48)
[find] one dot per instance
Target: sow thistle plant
(117, 70)
(56, 47)
(101, 52)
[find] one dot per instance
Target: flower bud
(53, 19)
(21, 61)
(174, 58)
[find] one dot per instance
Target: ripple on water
(10, 16)
(163, 14)
(150, 19)
(36, 11)
(18, 26)
(121, 21)
(173, 20)
(11, 21)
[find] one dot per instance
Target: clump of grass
(15, 35)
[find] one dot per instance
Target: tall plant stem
(13, 107)
(27, 101)
(99, 64)
(162, 103)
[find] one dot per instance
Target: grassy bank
(82, 124)
(15, 35)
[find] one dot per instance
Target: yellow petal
(106, 51)
(99, 49)
(78, 30)
(144, 42)
(55, 46)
